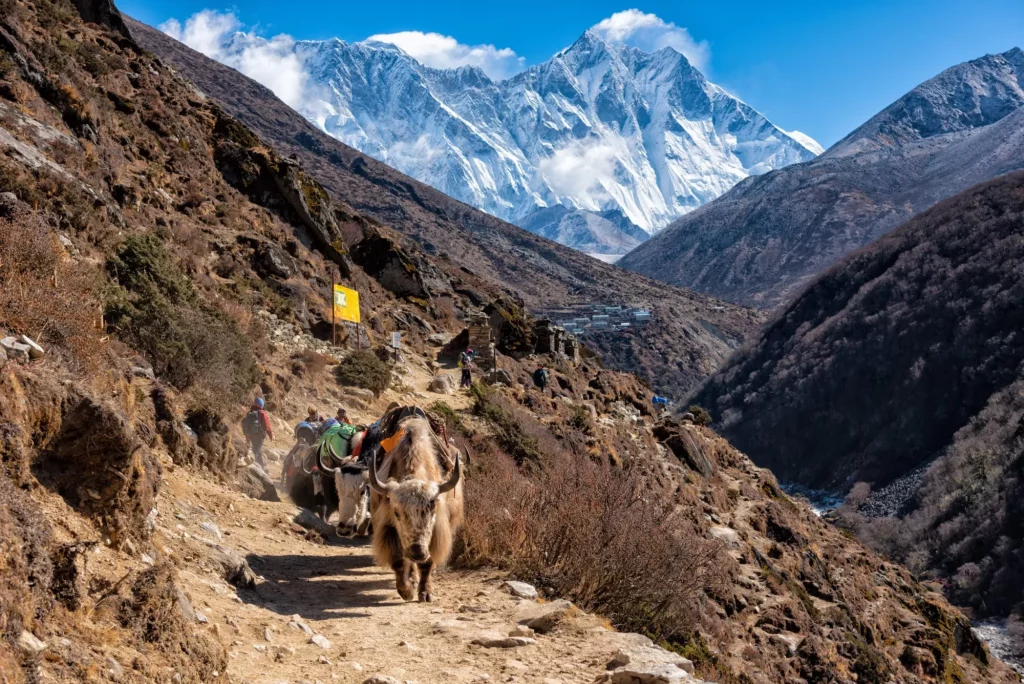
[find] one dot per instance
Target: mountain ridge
(598, 127)
(763, 241)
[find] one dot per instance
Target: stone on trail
(321, 641)
(443, 384)
(522, 632)
(521, 589)
(256, 483)
(381, 679)
(640, 661)
(546, 617)
(504, 642)
(727, 535)
(310, 521)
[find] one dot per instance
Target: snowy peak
(601, 129)
(964, 97)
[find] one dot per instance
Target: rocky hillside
(172, 266)
(766, 239)
(906, 351)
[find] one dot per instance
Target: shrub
(700, 415)
(363, 369)
(580, 420)
(517, 431)
(308, 363)
(45, 295)
(191, 343)
(593, 533)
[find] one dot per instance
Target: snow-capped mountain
(599, 128)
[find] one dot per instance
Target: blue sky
(819, 67)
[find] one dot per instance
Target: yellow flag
(346, 304)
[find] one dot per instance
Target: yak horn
(453, 480)
(334, 458)
(375, 484)
(469, 456)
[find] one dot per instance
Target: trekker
(540, 378)
(466, 364)
(306, 434)
(256, 428)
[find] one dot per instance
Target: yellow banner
(346, 304)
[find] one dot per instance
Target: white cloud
(575, 171)
(412, 155)
(272, 62)
(444, 52)
(650, 33)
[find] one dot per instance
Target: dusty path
(336, 592)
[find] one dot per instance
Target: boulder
(727, 535)
(234, 568)
(439, 339)
(443, 384)
(521, 589)
(30, 644)
(684, 441)
(34, 350)
(15, 350)
(271, 260)
(256, 483)
(639, 661)
(381, 679)
(306, 518)
(499, 377)
(547, 617)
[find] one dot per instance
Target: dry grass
(45, 295)
(593, 533)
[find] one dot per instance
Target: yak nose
(419, 554)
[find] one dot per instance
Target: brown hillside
(905, 351)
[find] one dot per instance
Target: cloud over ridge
(445, 52)
(651, 33)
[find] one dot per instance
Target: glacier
(598, 147)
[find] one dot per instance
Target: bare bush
(593, 533)
(44, 294)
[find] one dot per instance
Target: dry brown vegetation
(43, 293)
(594, 533)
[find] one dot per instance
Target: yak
(416, 511)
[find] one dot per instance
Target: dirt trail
(335, 591)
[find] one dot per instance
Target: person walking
(256, 428)
(466, 364)
(540, 378)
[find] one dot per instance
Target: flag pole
(334, 322)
